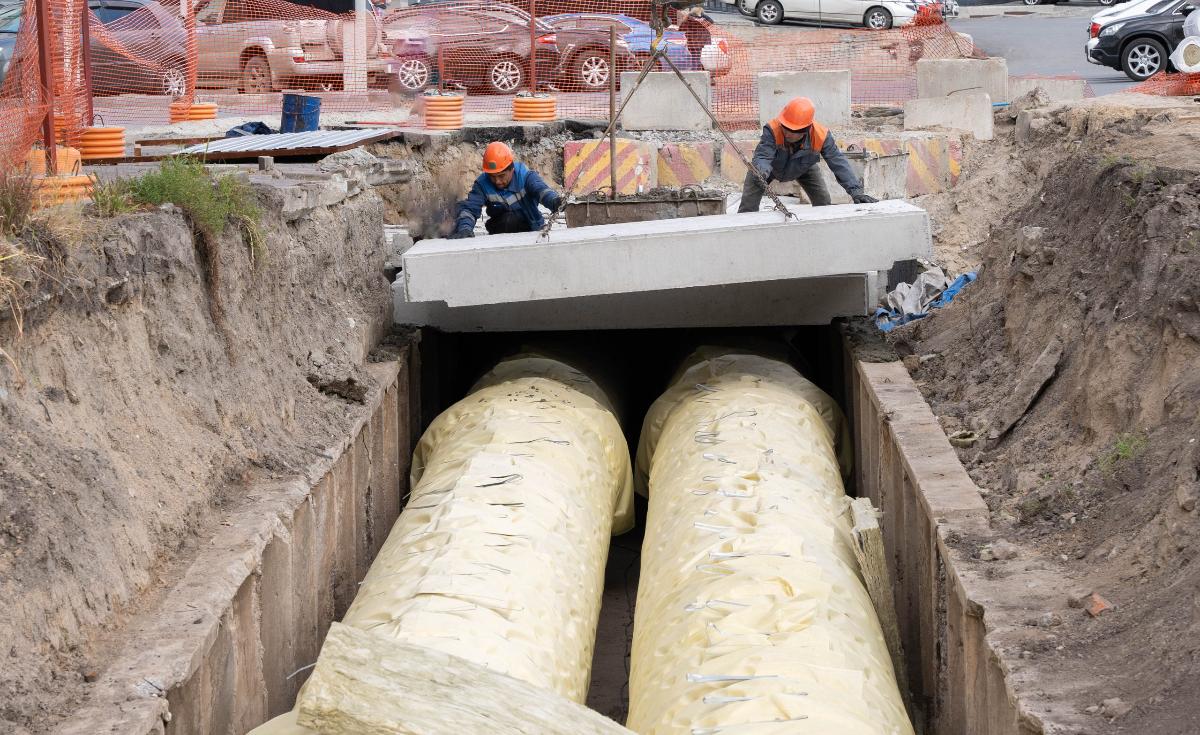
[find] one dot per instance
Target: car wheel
(173, 83)
(1143, 58)
(591, 71)
(769, 12)
(878, 19)
(745, 7)
(256, 76)
(1107, 3)
(413, 74)
(505, 76)
(1032, 2)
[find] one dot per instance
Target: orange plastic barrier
(67, 161)
(443, 111)
(102, 142)
(53, 190)
(539, 108)
(183, 111)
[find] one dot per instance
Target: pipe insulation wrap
(498, 557)
(751, 616)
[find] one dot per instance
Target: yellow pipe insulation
(499, 555)
(751, 617)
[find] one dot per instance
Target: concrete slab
(663, 103)
(1059, 90)
(666, 254)
(829, 91)
(946, 77)
(970, 113)
(811, 301)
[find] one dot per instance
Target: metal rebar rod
(766, 185)
(612, 108)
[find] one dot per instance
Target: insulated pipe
(751, 617)
(499, 555)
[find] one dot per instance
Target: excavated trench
(238, 631)
(299, 574)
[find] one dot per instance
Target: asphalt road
(1043, 45)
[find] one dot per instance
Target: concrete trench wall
(221, 653)
(905, 464)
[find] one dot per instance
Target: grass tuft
(1126, 448)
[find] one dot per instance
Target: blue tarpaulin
(889, 319)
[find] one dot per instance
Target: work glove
(861, 198)
(460, 234)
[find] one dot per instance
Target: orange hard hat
(496, 157)
(797, 114)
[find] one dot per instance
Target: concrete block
(829, 91)
(684, 164)
(666, 254)
(663, 103)
(586, 166)
(946, 77)
(970, 113)
(816, 301)
(1059, 90)
(732, 168)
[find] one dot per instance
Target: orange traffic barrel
(538, 107)
(183, 111)
(52, 190)
(98, 142)
(66, 160)
(443, 111)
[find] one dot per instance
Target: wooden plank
(365, 684)
(872, 561)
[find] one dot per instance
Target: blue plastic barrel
(301, 113)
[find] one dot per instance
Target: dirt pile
(130, 418)
(1068, 377)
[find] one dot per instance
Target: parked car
(265, 47)
(127, 56)
(586, 62)
(10, 23)
(873, 14)
(139, 50)
(1139, 43)
(479, 46)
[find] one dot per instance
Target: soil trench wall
(231, 643)
(906, 466)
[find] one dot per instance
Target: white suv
(874, 14)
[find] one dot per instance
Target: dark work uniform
(797, 163)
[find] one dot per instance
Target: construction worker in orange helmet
(791, 147)
(510, 194)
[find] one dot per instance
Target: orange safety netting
(1169, 85)
(22, 96)
(145, 64)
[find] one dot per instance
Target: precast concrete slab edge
(961, 625)
(809, 301)
(667, 254)
(201, 653)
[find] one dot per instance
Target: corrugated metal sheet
(314, 142)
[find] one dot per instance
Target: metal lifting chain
(657, 20)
